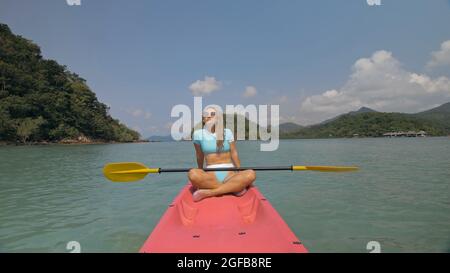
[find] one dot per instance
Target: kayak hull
(225, 224)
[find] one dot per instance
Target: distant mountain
(362, 122)
(289, 127)
(362, 110)
(368, 123)
(440, 115)
(160, 138)
(359, 111)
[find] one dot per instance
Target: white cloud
(379, 82)
(430, 85)
(205, 87)
(139, 113)
(440, 57)
(250, 91)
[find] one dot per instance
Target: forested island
(42, 102)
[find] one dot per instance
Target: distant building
(406, 134)
(421, 134)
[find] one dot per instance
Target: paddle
(134, 171)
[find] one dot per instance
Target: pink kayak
(226, 224)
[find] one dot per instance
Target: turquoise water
(50, 195)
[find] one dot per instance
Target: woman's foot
(239, 194)
(201, 194)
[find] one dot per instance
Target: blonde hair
(219, 127)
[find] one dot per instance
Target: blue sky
(314, 58)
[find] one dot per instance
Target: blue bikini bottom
(221, 175)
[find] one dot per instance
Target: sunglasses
(209, 114)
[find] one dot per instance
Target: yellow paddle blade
(127, 171)
(325, 168)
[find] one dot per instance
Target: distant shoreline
(44, 143)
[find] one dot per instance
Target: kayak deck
(225, 224)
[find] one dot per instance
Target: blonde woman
(216, 147)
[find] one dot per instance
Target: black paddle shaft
(272, 168)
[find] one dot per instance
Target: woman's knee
(194, 175)
(250, 175)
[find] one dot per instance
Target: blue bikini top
(207, 140)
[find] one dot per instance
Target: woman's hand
(234, 154)
(200, 156)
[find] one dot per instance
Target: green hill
(289, 127)
(436, 122)
(40, 100)
(359, 111)
(247, 123)
(439, 115)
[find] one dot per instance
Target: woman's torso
(207, 141)
(218, 158)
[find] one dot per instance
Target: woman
(216, 145)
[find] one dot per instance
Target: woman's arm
(200, 156)
(234, 154)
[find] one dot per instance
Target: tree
(27, 127)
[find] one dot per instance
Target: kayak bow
(225, 224)
(222, 224)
